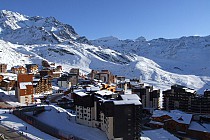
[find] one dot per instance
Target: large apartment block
(119, 116)
(186, 99)
(149, 96)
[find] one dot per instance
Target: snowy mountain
(160, 62)
(15, 28)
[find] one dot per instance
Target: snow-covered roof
(128, 99)
(134, 83)
(155, 122)
(92, 88)
(7, 81)
(57, 72)
(203, 127)
(24, 84)
(80, 93)
(121, 102)
(189, 90)
(104, 92)
(36, 79)
(175, 115)
(159, 134)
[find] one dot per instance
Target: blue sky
(125, 19)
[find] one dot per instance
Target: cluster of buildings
(179, 122)
(186, 99)
(110, 102)
(29, 81)
(114, 104)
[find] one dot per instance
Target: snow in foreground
(13, 122)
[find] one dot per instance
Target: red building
(25, 89)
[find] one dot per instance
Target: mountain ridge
(160, 62)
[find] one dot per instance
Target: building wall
(3, 68)
(118, 121)
(25, 98)
(74, 80)
(25, 95)
(149, 97)
(43, 85)
(109, 128)
(179, 98)
(84, 115)
(64, 84)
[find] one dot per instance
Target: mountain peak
(12, 15)
(15, 27)
(141, 39)
(108, 38)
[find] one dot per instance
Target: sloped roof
(177, 116)
(202, 127)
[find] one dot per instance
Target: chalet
(175, 121)
(3, 68)
(32, 68)
(18, 70)
(25, 89)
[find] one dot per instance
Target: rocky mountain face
(160, 62)
(15, 28)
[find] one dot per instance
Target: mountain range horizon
(160, 62)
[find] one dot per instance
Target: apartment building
(119, 116)
(149, 97)
(104, 75)
(186, 99)
(42, 85)
(25, 90)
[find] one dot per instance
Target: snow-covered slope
(21, 29)
(161, 62)
(178, 59)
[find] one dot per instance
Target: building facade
(42, 85)
(104, 75)
(18, 70)
(32, 68)
(3, 68)
(149, 97)
(186, 99)
(119, 118)
(25, 89)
